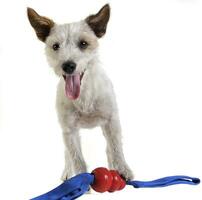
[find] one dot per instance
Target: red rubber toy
(116, 182)
(105, 180)
(123, 184)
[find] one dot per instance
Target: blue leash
(70, 189)
(80, 184)
(164, 182)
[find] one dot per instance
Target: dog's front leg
(116, 160)
(73, 155)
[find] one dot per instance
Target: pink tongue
(72, 86)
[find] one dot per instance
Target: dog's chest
(90, 120)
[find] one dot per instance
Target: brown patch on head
(90, 40)
(42, 25)
(98, 22)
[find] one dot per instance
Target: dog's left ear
(42, 25)
(98, 22)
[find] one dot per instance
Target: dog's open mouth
(72, 85)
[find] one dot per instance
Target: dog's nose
(69, 67)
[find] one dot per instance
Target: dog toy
(103, 180)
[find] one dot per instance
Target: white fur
(96, 105)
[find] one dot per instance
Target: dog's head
(70, 48)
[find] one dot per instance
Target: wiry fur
(96, 105)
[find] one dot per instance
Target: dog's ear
(98, 22)
(42, 25)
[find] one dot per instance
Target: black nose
(69, 67)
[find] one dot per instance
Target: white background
(153, 54)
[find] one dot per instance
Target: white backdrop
(152, 52)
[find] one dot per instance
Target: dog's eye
(83, 44)
(56, 46)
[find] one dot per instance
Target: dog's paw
(90, 191)
(125, 172)
(65, 175)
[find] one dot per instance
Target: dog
(85, 95)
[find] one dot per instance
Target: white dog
(85, 96)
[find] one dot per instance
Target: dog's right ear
(42, 25)
(98, 22)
